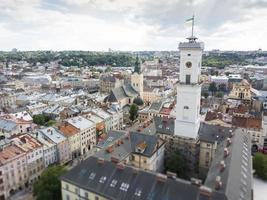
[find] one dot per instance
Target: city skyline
(130, 25)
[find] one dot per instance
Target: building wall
(13, 175)
(154, 163)
(7, 100)
(35, 164)
(88, 139)
(50, 155)
(71, 192)
(206, 154)
(238, 89)
(75, 145)
(64, 153)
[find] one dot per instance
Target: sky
(97, 25)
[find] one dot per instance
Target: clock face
(188, 64)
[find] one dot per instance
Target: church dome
(138, 101)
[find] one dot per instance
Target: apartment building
(63, 148)
(87, 132)
(13, 169)
(34, 154)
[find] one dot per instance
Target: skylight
(102, 179)
(138, 192)
(113, 183)
(92, 176)
(124, 187)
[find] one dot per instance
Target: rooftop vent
(101, 161)
(114, 159)
(120, 166)
(161, 178)
(171, 174)
(218, 183)
(205, 191)
(225, 152)
(195, 181)
(222, 166)
(229, 142)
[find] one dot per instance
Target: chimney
(205, 191)
(229, 142)
(120, 166)
(218, 183)
(171, 175)
(222, 166)
(161, 178)
(196, 182)
(226, 152)
(101, 161)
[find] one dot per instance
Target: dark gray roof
(127, 146)
(108, 77)
(119, 152)
(156, 105)
(164, 126)
(237, 177)
(185, 45)
(121, 92)
(150, 141)
(213, 133)
(99, 177)
(111, 138)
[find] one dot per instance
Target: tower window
(187, 79)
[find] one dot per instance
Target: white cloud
(129, 25)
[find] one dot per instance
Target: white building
(87, 131)
(50, 155)
(219, 80)
(189, 89)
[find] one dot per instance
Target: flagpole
(193, 19)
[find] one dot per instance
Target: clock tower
(189, 89)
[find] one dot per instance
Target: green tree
(176, 164)
(219, 94)
(213, 88)
(48, 187)
(205, 94)
(108, 69)
(260, 165)
(39, 119)
(133, 112)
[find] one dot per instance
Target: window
(86, 194)
(76, 190)
(186, 107)
(189, 54)
(67, 187)
(124, 187)
(67, 197)
(187, 79)
(102, 179)
(138, 192)
(92, 176)
(96, 198)
(113, 183)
